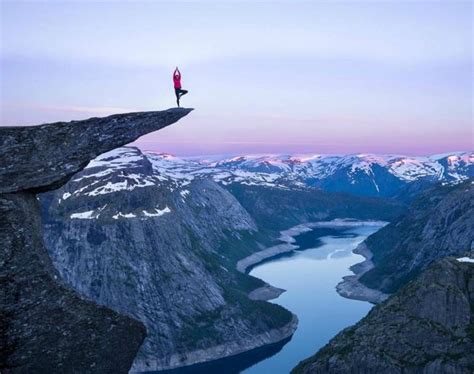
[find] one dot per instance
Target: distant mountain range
(360, 174)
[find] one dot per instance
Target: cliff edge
(45, 326)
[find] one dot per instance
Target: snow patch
(123, 215)
(157, 212)
(83, 215)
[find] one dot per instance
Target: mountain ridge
(360, 174)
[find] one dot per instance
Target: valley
(168, 241)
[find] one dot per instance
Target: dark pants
(179, 92)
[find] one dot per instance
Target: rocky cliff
(150, 242)
(439, 223)
(426, 327)
(45, 326)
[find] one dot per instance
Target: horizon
(264, 77)
(306, 154)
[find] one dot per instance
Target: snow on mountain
(362, 174)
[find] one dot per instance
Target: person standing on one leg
(177, 85)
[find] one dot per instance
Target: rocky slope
(161, 243)
(45, 326)
(438, 224)
(277, 208)
(426, 327)
(149, 245)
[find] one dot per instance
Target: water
(310, 277)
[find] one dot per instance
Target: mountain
(426, 327)
(360, 174)
(45, 326)
(157, 238)
(439, 223)
(146, 244)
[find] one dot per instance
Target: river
(309, 275)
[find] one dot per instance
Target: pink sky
(282, 77)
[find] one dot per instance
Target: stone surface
(351, 287)
(426, 327)
(46, 326)
(439, 223)
(41, 158)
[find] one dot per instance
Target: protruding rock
(41, 158)
(45, 326)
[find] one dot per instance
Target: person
(177, 85)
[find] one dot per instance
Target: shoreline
(266, 293)
(288, 239)
(287, 246)
(181, 361)
(351, 288)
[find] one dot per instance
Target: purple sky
(277, 77)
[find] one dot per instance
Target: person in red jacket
(177, 85)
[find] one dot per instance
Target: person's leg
(183, 92)
(177, 90)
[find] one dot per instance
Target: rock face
(438, 224)
(41, 158)
(152, 244)
(426, 327)
(45, 326)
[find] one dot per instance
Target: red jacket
(177, 79)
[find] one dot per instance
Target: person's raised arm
(177, 73)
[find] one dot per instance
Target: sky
(263, 77)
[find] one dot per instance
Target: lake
(310, 276)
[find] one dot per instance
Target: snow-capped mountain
(360, 174)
